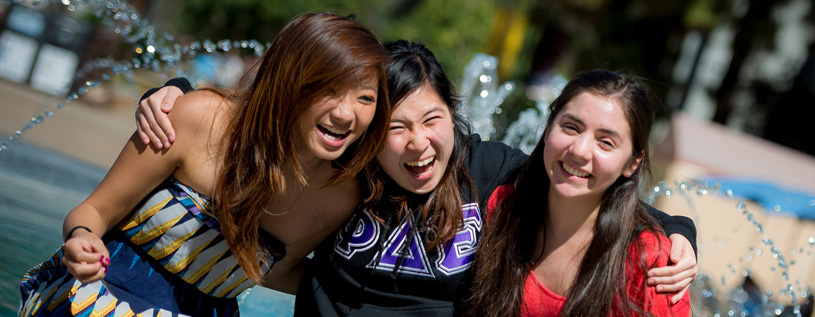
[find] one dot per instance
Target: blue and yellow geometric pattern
(168, 258)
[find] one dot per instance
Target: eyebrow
(437, 108)
(606, 131)
(366, 87)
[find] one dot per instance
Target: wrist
(71, 232)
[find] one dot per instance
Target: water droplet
(777, 208)
(741, 206)
(748, 258)
(721, 245)
(811, 241)
(729, 194)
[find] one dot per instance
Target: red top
(539, 301)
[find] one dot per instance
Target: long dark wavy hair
(413, 66)
(505, 258)
(315, 55)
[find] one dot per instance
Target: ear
(633, 164)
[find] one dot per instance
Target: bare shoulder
(198, 108)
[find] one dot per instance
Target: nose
(581, 149)
(418, 141)
(343, 112)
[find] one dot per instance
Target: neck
(570, 217)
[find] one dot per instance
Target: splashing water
(153, 52)
(482, 93)
(779, 272)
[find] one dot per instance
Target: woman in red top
(571, 236)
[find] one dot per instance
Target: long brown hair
(315, 55)
(413, 66)
(504, 259)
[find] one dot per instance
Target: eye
(396, 129)
(607, 145)
(367, 100)
(569, 128)
(432, 120)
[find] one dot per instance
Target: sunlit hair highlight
(316, 55)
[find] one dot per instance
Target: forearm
(180, 83)
(675, 225)
(85, 215)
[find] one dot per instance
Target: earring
(627, 174)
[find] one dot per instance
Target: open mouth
(421, 168)
(574, 172)
(332, 134)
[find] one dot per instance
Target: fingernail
(650, 281)
(167, 144)
(659, 288)
(107, 261)
(105, 269)
(102, 258)
(165, 106)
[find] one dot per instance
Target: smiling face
(588, 146)
(420, 141)
(333, 123)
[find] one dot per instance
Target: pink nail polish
(105, 269)
(102, 258)
(107, 261)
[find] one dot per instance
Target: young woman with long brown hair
(408, 248)
(278, 156)
(570, 237)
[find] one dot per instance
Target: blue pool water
(37, 189)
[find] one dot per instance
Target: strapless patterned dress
(168, 258)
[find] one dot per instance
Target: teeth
(421, 163)
(574, 171)
(335, 131)
(331, 137)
